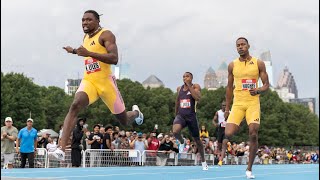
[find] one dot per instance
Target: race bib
(185, 103)
(223, 124)
(249, 84)
(92, 65)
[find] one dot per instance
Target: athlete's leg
(230, 130)
(178, 124)
(126, 118)
(253, 146)
(85, 95)
(193, 126)
(80, 101)
(253, 121)
(236, 116)
(111, 96)
(200, 147)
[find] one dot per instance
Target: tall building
(307, 102)
(71, 86)
(222, 75)
(121, 71)
(152, 82)
(317, 104)
(266, 58)
(210, 79)
(286, 86)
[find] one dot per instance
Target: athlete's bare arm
(195, 91)
(229, 89)
(264, 78)
(215, 119)
(177, 100)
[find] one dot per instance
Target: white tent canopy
(48, 131)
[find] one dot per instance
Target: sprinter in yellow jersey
(243, 76)
(99, 50)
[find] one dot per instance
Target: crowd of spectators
(112, 137)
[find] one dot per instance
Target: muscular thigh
(110, 95)
(237, 114)
(193, 126)
(90, 89)
(253, 114)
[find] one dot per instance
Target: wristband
(74, 51)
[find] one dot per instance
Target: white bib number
(185, 103)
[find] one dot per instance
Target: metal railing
(131, 157)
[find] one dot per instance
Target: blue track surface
(262, 172)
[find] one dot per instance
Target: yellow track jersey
(95, 69)
(246, 76)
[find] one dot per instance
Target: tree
(282, 124)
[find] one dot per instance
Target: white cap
(8, 119)
(160, 136)
(29, 119)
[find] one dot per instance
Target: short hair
(189, 73)
(82, 119)
(244, 39)
(96, 15)
(97, 125)
(109, 126)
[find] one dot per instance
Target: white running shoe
(139, 119)
(205, 166)
(59, 154)
(249, 175)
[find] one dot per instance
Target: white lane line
(229, 177)
(104, 169)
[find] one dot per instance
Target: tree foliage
(282, 124)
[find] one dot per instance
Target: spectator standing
(51, 146)
(103, 132)
(139, 144)
(204, 133)
(153, 145)
(60, 134)
(44, 140)
(8, 136)
(95, 140)
(167, 146)
(27, 140)
(77, 135)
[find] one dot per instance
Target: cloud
(162, 37)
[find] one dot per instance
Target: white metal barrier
(130, 157)
(107, 158)
(53, 162)
(40, 160)
(158, 158)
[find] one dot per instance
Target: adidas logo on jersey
(92, 43)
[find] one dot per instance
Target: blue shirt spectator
(27, 138)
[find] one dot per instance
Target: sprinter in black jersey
(188, 95)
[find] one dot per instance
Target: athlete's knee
(175, 133)
(176, 130)
(228, 135)
(226, 138)
(253, 136)
(196, 139)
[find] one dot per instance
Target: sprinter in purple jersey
(188, 95)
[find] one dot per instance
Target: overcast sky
(163, 37)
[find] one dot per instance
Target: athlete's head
(90, 21)
(242, 46)
(187, 77)
(223, 105)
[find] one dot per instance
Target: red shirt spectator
(153, 142)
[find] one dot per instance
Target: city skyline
(166, 42)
